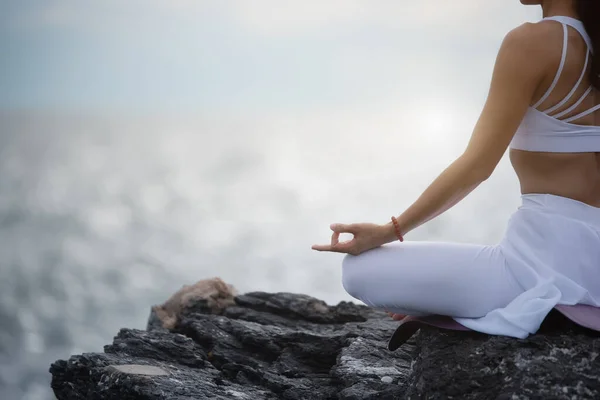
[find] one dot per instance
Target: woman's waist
(572, 175)
(551, 205)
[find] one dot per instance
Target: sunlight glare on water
(145, 145)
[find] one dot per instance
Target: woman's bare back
(573, 175)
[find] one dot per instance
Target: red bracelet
(397, 229)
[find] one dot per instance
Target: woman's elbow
(479, 168)
(483, 172)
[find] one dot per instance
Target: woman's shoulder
(538, 41)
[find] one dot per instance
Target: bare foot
(396, 317)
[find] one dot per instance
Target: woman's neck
(566, 8)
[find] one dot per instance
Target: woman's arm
(518, 72)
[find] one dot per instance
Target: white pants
(550, 255)
(421, 278)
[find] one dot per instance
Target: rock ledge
(206, 342)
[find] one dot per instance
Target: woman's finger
(344, 228)
(335, 238)
(328, 247)
(343, 247)
(322, 247)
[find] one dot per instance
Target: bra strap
(575, 24)
(574, 106)
(583, 114)
(560, 68)
(556, 107)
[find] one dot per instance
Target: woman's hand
(366, 237)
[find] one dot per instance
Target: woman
(544, 105)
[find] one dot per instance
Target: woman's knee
(353, 276)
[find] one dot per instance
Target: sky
(152, 56)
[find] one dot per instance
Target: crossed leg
(423, 278)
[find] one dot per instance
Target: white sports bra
(543, 130)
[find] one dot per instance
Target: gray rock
(560, 363)
(143, 370)
(288, 346)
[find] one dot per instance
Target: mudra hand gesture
(366, 237)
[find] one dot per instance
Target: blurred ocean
(102, 217)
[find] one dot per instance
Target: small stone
(133, 369)
(387, 379)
